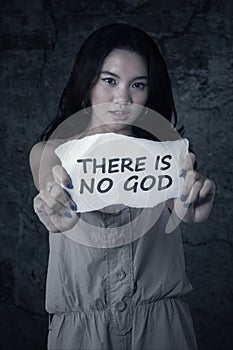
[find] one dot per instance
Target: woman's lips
(120, 114)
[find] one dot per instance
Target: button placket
(120, 279)
(120, 268)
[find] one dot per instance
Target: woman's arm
(53, 205)
(42, 159)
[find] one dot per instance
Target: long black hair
(87, 67)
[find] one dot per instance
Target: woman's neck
(103, 129)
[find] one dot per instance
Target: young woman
(130, 296)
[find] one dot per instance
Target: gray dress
(126, 297)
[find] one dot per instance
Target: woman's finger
(187, 163)
(54, 221)
(60, 195)
(38, 203)
(194, 194)
(50, 201)
(190, 178)
(61, 177)
(40, 206)
(208, 188)
(55, 197)
(44, 213)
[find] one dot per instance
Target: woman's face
(122, 84)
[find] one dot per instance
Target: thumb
(61, 176)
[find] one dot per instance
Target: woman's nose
(122, 95)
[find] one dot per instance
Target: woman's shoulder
(40, 147)
(42, 155)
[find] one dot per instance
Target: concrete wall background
(39, 40)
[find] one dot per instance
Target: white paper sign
(110, 168)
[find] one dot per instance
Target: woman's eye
(140, 86)
(110, 81)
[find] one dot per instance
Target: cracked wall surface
(39, 41)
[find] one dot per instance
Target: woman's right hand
(53, 205)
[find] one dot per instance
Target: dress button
(92, 306)
(99, 304)
(121, 306)
(121, 275)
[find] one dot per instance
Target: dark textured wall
(39, 40)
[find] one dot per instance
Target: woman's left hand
(197, 194)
